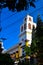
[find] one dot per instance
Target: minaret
(26, 30)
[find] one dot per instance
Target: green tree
(5, 59)
(33, 59)
(27, 50)
(34, 40)
(17, 5)
(37, 40)
(39, 36)
(24, 62)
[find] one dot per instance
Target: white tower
(26, 30)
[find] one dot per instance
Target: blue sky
(11, 22)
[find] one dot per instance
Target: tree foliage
(17, 5)
(39, 33)
(37, 41)
(33, 44)
(37, 36)
(27, 50)
(5, 59)
(24, 62)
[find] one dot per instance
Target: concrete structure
(25, 37)
(26, 30)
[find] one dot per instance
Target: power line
(13, 31)
(13, 23)
(8, 17)
(16, 12)
(30, 13)
(36, 10)
(18, 19)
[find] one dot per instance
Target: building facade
(25, 37)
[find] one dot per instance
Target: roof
(13, 47)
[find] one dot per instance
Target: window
(21, 28)
(24, 26)
(29, 19)
(29, 26)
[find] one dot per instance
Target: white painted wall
(29, 35)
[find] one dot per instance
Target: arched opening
(29, 26)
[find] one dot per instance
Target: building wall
(26, 29)
(25, 38)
